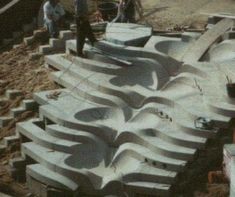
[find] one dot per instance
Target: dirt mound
(19, 71)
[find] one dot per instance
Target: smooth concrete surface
(125, 121)
(128, 34)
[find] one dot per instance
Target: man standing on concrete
(83, 26)
(53, 17)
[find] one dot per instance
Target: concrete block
(45, 49)
(30, 105)
(4, 121)
(38, 34)
(29, 40)
(66, 35)
(15, 112)
(12, 94)
(57, 44)
(128, 34)
(18, 162)
(11, 140)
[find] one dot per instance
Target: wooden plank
(198, 48)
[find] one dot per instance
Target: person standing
(83, 26)
(126, 11)
(53, 16)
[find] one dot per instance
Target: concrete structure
(128, 119)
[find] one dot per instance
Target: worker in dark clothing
(129, 11)
(126, 12)
(83, 26)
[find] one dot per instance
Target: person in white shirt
(53, 16)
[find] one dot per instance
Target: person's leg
(89, 33)
(80, 36)
(52, 28)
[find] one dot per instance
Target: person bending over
(53, 17)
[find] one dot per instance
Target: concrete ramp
(198, 48)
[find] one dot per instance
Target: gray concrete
(127, 34)
(125, 121)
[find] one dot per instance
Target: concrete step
(148, 173)
(29, 40)
(177, 137)
(83, 90)
(50, 178)
(12, 94)
(70, 134)
(64, 61)
(15, 112)
(4, 120)
(18, 163)
(11, 140)
(30, 104)
(88, 79)
(148, 156)
(36, 134)
(55, 161)
(45, 49)
(66, 35)
(169, 149)
(57, 44)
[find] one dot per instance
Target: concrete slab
(127, 34)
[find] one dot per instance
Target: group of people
(54, 17)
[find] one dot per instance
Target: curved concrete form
(128, 119)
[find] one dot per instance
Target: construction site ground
(19, 71)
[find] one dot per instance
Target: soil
(19, 71)
(167, 14)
